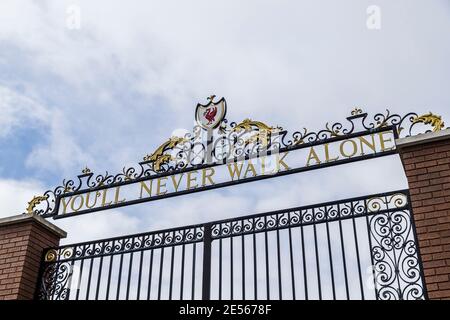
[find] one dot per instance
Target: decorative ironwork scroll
(55, 282)
(231, 142)
(385, 220)
(397, 265)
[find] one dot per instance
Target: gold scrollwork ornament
(34, 202)
(52, 255)
(160, 156)
(263, 131)
(430, 119)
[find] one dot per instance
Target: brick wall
(22, 240)
(427, 167)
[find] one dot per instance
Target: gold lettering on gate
(73, 202)
(383, 141)
(348, 148)
(263, 167)
(209, 176)
(280, 162)
(147, 188)
(355, 148)
(327, 154)
(161, 185)
(191, 179)
(97, 195)
(312, 155)
(363, 141)
(250, 168)
(176, 184)
(65, 204)
(116, 197)
(104, 203)
(237, 170)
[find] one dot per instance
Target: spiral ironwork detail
(396, 258)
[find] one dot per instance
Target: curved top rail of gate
(231, 142)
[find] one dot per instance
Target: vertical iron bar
(330, 255)
(255, 268)
(231, 264)
(161, 264)
(206, 281)
(305, 276)
(172, 261)
(130, 269)
(280, 289)
(99, 278)
(141, 258)
(89, 279)
(291, 257)
(243, 260)
(267, 258)
(220, 266)
(317, 254)
(80, 279)
(343, 252)
(357, 251)
(111, 261)
(369, 234)
(120, 276)
(194, 256)
(150, 273)
(183, 248)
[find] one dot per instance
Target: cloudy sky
(108, 91)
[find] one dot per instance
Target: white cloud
(62, 153)
(18, 110)
(15, 195)
(59, 151)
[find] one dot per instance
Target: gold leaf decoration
(263, 131)
(430, 119)
(160, 157)
(34, 202)
(248, 125)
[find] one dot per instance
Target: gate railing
(359, 248)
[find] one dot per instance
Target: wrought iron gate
(360, 248)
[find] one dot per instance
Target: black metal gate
(360, 248)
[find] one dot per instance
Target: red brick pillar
(426, 160)
(22, 240)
